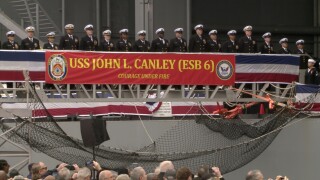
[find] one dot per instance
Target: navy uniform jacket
(107, 46)
(49, 46)
(282, 51)
(247, 46)
(303, 59)
(67, 43)
(123, 46)
(214, 46)
(265, 49)
(139, 46)
(311, 77)
(178, 45)
(157, 45)
(26, 44)
(197, 44)
(229, 47)
(8, 45)
(87, 44)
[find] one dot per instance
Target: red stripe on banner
(314, 107)
(263, 77)
(18, 76)
(122, 109)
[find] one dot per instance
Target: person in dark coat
(311, 75)
(301, 51)
(89, 42)
(160, 44)
(30, 43)
(267, 46)
(10, 44)
(284, 46)
(247, 44)
(69, 41)
(124, 44)
(141, 45)
(178, 44)
(106, 44)
(214, 45)
(231, 46)
(198, 43)
(50, 44)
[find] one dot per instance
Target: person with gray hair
(254, 175)
(64, 174)
(152, 176)
(138, 173)
(106, 175)
(164, 167)
(84, 174)
(123, 177)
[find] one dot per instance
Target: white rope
(143, 125)
(290, 87)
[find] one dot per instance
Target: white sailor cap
(106, 32)
(232, 32)
(178, 30)
(69, 26)
(51, 34)
(213, 32)
(123, 31)
(267, 34)
(300, 41)
(198, 26)
(311, 61)
(30, 29)
(10, 33)
(247, 28)
(159, 30)
(89, 26)
(283, 40)
(142, 32)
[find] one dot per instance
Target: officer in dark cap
(10, 44)
(30, 43)
(300, 50)
(214, 45)
(267, 46)
(141, 45)
(124, 44)
(247, 44)
(89, 42)
(69, 41)
(198, 42)
(178, 44)
(160, 44)
(50, 44)
(106, 44)
(311, 74)
(231, 45)
(284, 46)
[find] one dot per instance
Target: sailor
(160, 44)
(106, 44)
(284, 46)
(124, 44)
(198, 42)
(311, 74)
(69, 41)
(214, 45)
(230, 46)
(30, 43)
(50, 44)
(10, 44)
(141, 45)
(89, 42)
(178, 44)
(301, 51)
(267, 46)
(247, 44)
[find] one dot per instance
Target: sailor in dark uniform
(10, 44)
(89, 42)
(311, 74)
(284, 46)
(247, 44)
(198, 42)
(300, 50)
(160, 44)
(141, 45)
(231, 46)
(267, 46)
(178, 44)
(124, 44)
(50, 44)
(107, 44)
(214, 45)
(69, 41)
(30, 43)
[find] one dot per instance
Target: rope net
(228, 144)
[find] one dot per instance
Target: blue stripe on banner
(22, 56)
(267, 59)
(308, 88)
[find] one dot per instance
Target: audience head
(184, 174)
(166, 165)
(43, 169)
(123, 177)
(170, 174)
(13, 173)
(35, 171)
(138, 173)
(4, 166)
(106, 175)
(254, 175)
(3, 175)
(152, 176)
(84, 174)
(50, 178)
(64, 174)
